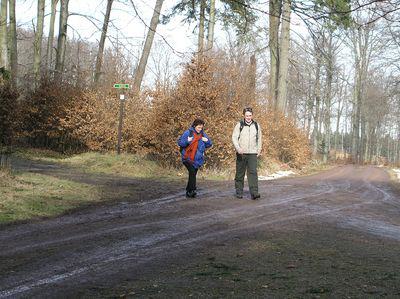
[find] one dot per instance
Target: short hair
(247, 109)
(198, 121)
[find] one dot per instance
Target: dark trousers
(246, 162)
(191, 185)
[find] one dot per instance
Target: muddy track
(61, 256)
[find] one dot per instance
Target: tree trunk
(99, 59)
(252, 77)
(37, 45)
(274, 17)
(328, 99)
(361, 47)
(338, 116)
(211, 24)
(49, 53)
(200, 43)
(3, 36)
(62, 38)
(147, 47)
(317, 97)
(284, 56)
(13, 43)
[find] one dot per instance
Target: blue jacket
(199, 156)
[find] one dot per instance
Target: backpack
(242, 125)
(181, 148)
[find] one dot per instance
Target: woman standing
(193, 144)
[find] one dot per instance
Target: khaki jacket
(247, 139)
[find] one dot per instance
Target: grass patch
(129, 165)
(122, 165)
(35, 154)
(27, 195)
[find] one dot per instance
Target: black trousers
(191, 185)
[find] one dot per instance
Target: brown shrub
(217, 94)
(8, 110)
(284, 141)
(41, 113)
(214, 89)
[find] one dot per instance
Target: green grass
(43, 155)
(123, 165)
(26, 195)
(129, 165)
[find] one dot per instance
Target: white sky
(125, 23)
(180, 36)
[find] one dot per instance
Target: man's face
(248, 116)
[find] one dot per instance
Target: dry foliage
(8, 111)
(66, 118)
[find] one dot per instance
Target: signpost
(122, 86)
(121, 111)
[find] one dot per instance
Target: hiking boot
(255, 196)
(238, 195)
(191, 194)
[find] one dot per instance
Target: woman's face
(198, 128)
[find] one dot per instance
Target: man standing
(247, 139)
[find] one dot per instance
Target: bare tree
(211, 24)
(283, 56)
(62, 37)
(147, 47)
(275, 12)
(200, 45)
(49, 53)
(99, 59)
(3, 35)
(37, 45)
(13, 43)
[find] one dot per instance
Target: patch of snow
(397, 172)
(276, 175)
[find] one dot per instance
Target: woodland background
(331, 94)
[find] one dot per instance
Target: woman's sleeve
(209, 142)
(183, 140)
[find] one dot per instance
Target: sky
(125, 23)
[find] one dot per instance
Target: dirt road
(334, 234)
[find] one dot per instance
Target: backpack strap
(241, 127)
(256, 124)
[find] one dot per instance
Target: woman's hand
(204, 139)
(190, 139)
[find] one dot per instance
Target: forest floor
(334, 234)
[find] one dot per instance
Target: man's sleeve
(235, 137)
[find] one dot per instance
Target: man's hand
(259, 154)
(190, 138)
(204, 139)
(240, 151)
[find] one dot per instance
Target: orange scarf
(192, 148)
